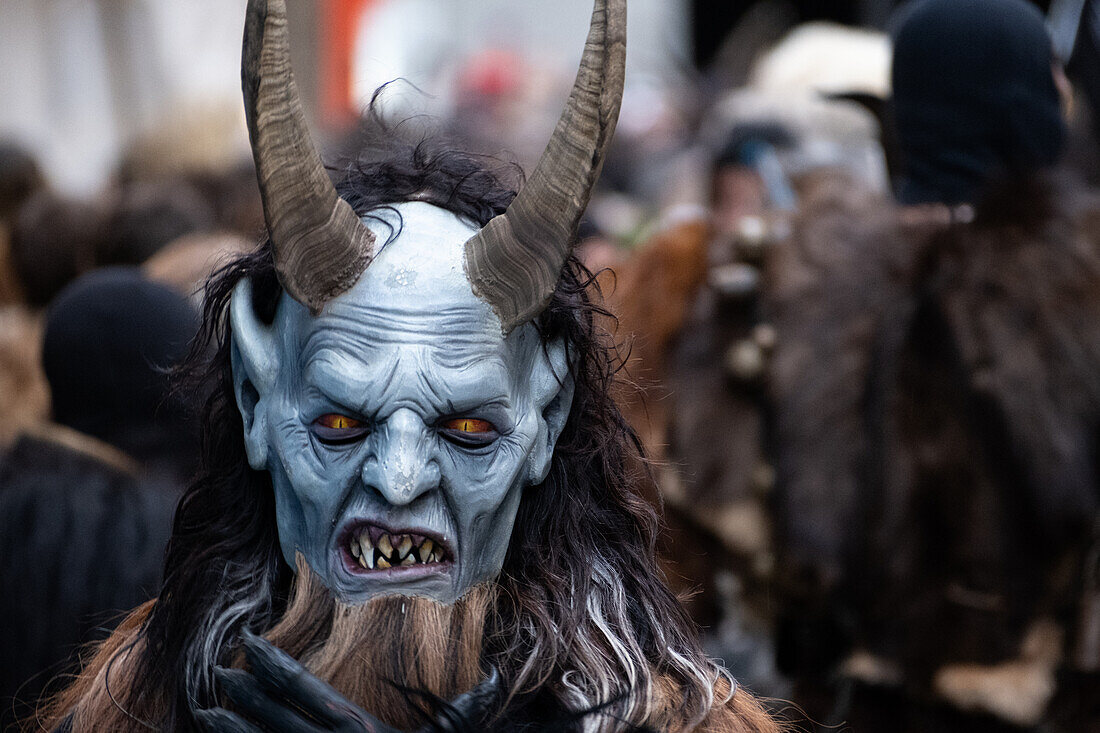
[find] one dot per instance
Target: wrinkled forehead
(415, 291)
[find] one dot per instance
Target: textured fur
(930, 409)
(651, 294)
(936, 403)
(369, 653)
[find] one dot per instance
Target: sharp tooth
(404, 546)
(363, 561)
(384, 545)
(365, 544)
(425, 550)
(354, 547)
(410, 560)
(368, 560)
(383, 563)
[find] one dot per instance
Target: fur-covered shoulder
(742, 714)
(739, 712)
(57, 445)
(98, 697)
(828, 289)
(1019, 288)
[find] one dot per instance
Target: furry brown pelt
(651, 294)
(936, 390)
(102, 694)
(827, 290)
(369, 652)
(365, 653)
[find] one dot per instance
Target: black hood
(974, 95)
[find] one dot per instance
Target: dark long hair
(590, 616)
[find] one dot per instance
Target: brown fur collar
(936, 389)
(336, 645)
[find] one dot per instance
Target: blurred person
(109, 341)
(233, 195)
(86, 501)
(743, 183)
(20, 177)
(689, 308)
(187, 263)
(82, 537)
(807, 85)
(948, 505)
(903, 402)
(53, 241)
(200, 149)
(975, 99)
(147, 216)
(11, 292)
(24, 394)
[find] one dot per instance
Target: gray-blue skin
(407, 349)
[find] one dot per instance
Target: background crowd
(855, 278)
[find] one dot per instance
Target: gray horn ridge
(515, 261)
(321, 247)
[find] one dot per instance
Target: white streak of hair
(606, 663)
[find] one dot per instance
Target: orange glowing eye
(337, 429)
(469, 425)
(333, 421)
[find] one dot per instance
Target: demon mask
(402, 400)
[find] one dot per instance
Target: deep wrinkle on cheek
(292, 442)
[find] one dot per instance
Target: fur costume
(935, 402)
(412, 406)
(533, 634)
(927, 396)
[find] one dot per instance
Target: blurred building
(81, 79)
(426, 40)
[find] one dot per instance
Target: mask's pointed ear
(554, 387)
(255, 362)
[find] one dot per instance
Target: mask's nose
(404, 466)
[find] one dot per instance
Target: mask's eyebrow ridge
(327, 367)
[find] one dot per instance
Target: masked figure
(908, 390)
(417, 486)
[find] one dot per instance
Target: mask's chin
(368, 559)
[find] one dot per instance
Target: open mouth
(371, 548)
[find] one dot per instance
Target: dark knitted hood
(975, 98)
(110, 338)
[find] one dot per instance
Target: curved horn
(321, 248)
(515, 261)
